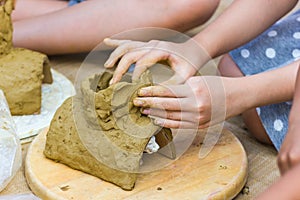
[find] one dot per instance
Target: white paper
(10, 148)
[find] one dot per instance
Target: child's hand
(183, 58)
(177, 106)
(200, 102)
(289, 154)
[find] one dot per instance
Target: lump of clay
(101, 132)
(21, 71)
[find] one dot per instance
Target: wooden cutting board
(220, 175)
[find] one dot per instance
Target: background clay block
(21, 71)
(6, 7)
(21, 76)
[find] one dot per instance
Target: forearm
(241, 22)
(261, 89)
(294, 115)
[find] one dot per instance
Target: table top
(219, 175)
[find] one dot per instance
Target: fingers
(123, 47)
(147, 60)
(165, 103)
(174, 124)
(145, 55)
(173, 115)
(115, 56)
(161, 103)
(114, 43)
(165, 91)
(129, 52)
(194, 119)
(125, 63)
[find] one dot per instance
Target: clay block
(101, 132)
(22, 71)
(21, 76)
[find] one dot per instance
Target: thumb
(114, 42)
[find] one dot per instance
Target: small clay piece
(101, 132)
(21, 71)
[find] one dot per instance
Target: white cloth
(10, 147)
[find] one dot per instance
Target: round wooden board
(220, 175)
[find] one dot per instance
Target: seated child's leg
(229, 69)
(81, 27)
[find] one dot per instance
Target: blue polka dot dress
(276, 47)
(74, 2)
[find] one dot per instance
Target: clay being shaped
(106, 135)
(22, 71)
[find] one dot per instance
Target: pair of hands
(186, 101)
(179, 56)
(183, 101)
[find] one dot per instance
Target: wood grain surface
(220, 175)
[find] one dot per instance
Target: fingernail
(142, 92)
(138, 102)
(146, 111)
(111, 81)
(106, 64)
(158, 122)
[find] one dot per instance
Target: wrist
(208, 42)
(195, 53)
(235, 94)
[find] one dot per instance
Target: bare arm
(194, 99)
(240, 23)
(268, 87)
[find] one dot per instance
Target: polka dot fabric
(74, 2)
(275, 121)
(276, 47)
